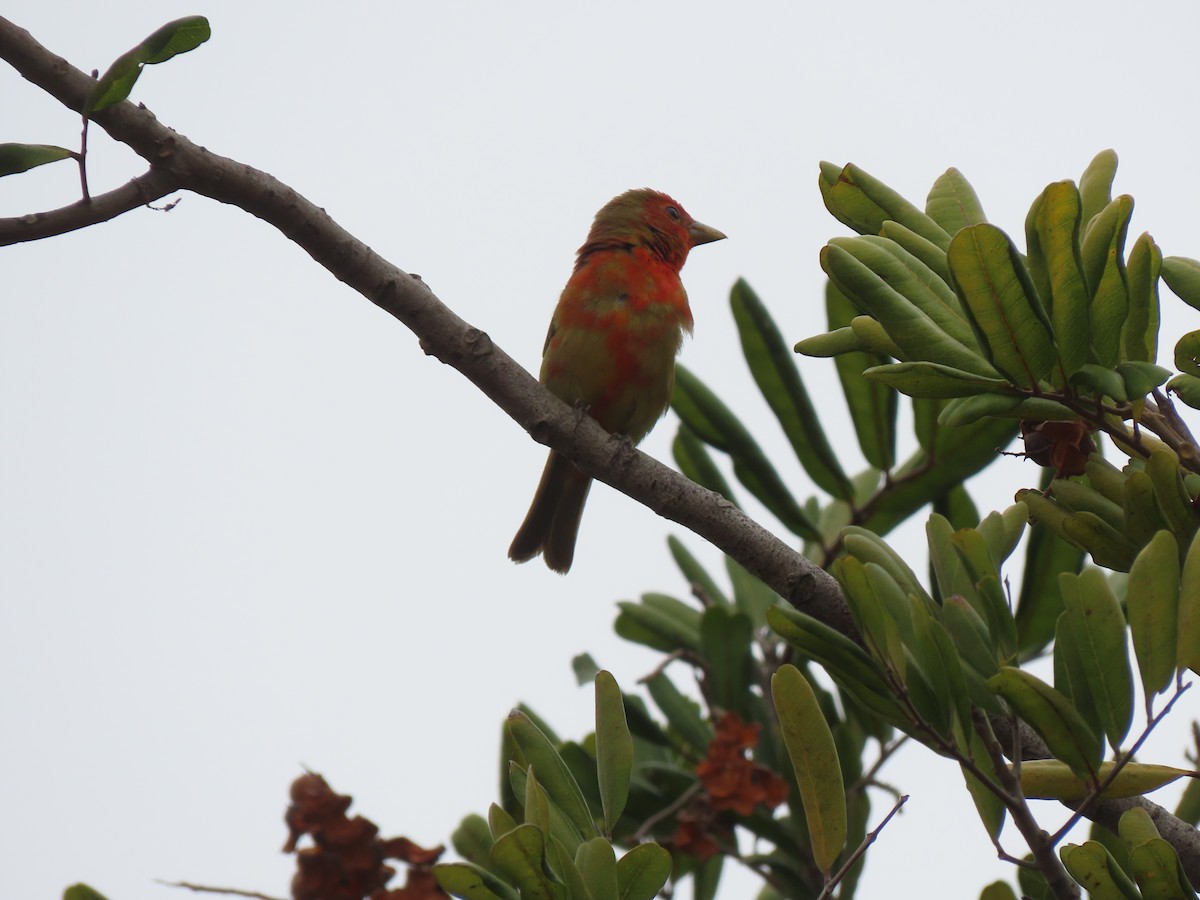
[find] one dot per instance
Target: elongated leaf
(1139, 335)
(597, 863)
(472, 840)
(1002, 303)
(614, 749)
(1052, 232)
(697, 463)
(1095, 186)
(933, 381)
(1092, 865)
(1152, 597)
(929, 253)
(1188, 646)
(987, 804)
(1095, 624)
(657, 628)
(779, 380)
(865, 203)
(814, 760)
(1182, 276)
(861, 271)
(470, 882)
(519, 855)
(1158, 873)
(725, 637)
(1050, 779)
(1103, 255)
(695, 573)
(953, 203)
(170, 40)
(17, 158)
(717, 425)
(873, 406)
(1052, 716)
(642, 872)
(681, 713)
(552, 772)
(1040, 601)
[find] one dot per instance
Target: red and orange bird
(611, 348)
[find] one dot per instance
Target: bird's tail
(552, 523)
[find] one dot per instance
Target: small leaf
(465, 880)
(1093, 866)
(614, 749)
(1139, 336)
(1182, 276)
(597, 863)
(1052, 232)
(17, 158)
(1156, 869)
(933, 380)
(519, 855)
(779, 381)
(82, 892)
(1049, 779)
(1152, 597)
(552, 772)
(1052, 716)
(1000, 300)
(814, 760)
(170, 40)
(1103, 258)
(642, 872)
(1095, 187)
(953, 203)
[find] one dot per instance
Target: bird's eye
(673, 213)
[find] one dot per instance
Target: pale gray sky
(246, 525)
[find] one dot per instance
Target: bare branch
(144, 189)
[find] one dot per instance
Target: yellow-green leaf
(1152, 598)
(614, 749)
(814, 760)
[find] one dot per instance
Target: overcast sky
(246, 525)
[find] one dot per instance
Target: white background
(246, 525)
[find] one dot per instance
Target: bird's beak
(704, 234)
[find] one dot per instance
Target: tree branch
(144, 189)
(453, 341)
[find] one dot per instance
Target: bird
(611, 348)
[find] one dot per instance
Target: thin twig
(205, 889)
(1122, 760)
(860, 850)
(667, 811)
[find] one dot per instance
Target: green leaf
(1104, 269)
(887, 289)
(519, 855)
(930, 254)
(585, 668)
(1099, 382)
(774, 369)
(1040, 601)
(1093, 866)
(953, 203)
(814, 760)
(170, 40)
(657, 626)
(1052, 233)
(597, 864)
(1052, 716)
(1186, 388)
(716, 425)
(998, 890)
(697, 463)
(642, 872)
(82, 892)
(1049, 779)
(17, 158)
(1139, 336)
(1094, 623)
(987, 804)
(681, 713)
(933, 381)
(500, 822)
(695, 573)
(969, 410)
(1152, 598)
(562, 863)
(472, 840)
(1187, 353)
(465, 880)
(552, 772)
(1157, 871)
(1095, 187)
(614, 749)
(1182, 276)
(873, 406)
(725, 638)
(1188, 646)
(1003, 306)
(1141, 378)
(864, 203)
